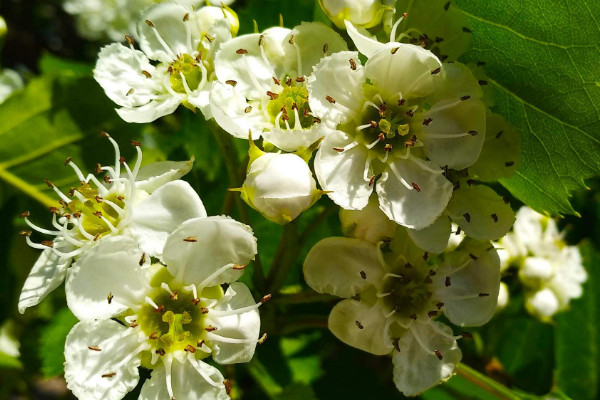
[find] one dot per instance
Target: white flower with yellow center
(174, 66)
(261, 85)
(402, 121)
(551, 271)
(393, 296)
(170, 317)
(143, 203)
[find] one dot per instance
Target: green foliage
(52, 342)
(542, 59)
(577, 341)
(55, 117)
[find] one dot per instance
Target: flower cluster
(145, 272)
(400, 139)
(550, 271)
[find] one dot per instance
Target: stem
(305, 235)
(488, 384)
(259, 274)
(304, 322)
(284, 258)
(304, 298)
(233, 166)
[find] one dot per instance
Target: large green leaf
(52, 342)
(55, 117)
(577, 345)
(542, 57)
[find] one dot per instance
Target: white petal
(119, 69)
(109, 268)
(152, 176)
(472, 296)
(405, 69)
(220, 241)
(10, 81)
(242, 326)
(417, 369)
(312, 41)
(292, 140)
(542, 304)
(343, 173)
(480, 212)
(369, 224)
(187, 383)
(363, 43)
(501, 152)
(170, 26)
(410, 207)
(335, 89)
(151, 111)
(361, 326)
(252, 73)
(449, 118)
(47, 273)
(569, 277)
(84, 368)
(159, 214)
(434, 238)
(230, 110)
(343, 267)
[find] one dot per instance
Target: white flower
(261, 84)
(144, 203)
(174, 66)
(551, 271)
(363, 13)
(393, 296)
(113, 19)
(171, 317)
(279, 186)
(10, 81)
(401, 120)
(9, 344)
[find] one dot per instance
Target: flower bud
(362, 13)
(279, 186)
(211, 15)
(535, 271)
(503, 296)
(542, 304)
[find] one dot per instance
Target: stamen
(151, 302)
(346, 148)
(367, 170)
(41, 230)
(393, 32)
(381, 295)
(161, 40)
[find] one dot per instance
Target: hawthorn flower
(143, 203)
(393, 297)
(174, 65)
(170, 318)
(261, 85)
(279, 186)
(402, 121)
(551, 271)
(363, 13)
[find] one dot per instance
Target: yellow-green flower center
(285, 105)
(409, 292)
(95, 211)
(180, 321)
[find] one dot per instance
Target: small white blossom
(10, 81)
(363, 13)
(144, 203)
(392, 297)
(551, 271)
(174, 65)
(173, 316)
(261, 84)
(279, 186)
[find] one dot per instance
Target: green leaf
(542, 58)
(52, 342)
(577, 344)
(53, 118)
